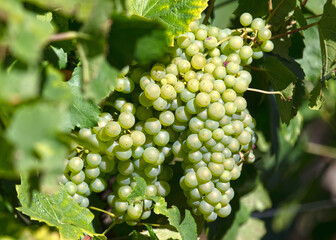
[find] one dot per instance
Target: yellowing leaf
(175, 14)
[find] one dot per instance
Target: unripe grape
(257, 24)
(246, 19)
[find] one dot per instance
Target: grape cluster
(189, 107)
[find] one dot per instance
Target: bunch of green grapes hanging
(188, 108)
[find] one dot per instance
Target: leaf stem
(321, 150)
(103, 211)
(315, 16)
(67, 36)
(109, 228)
(86, 74)
(264, 92)
(210, 8)
(156, 225)
(294, 31)
(272, 13)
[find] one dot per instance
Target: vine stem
(85, 63)
(103, 211)
(264, 92)
(304, 2)
(272, 13)
(212, 3)
(270, 6)
(67, 36)
(109, 228)
(321, 150)
(294, 31)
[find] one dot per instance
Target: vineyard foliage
(59, 64)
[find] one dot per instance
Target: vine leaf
(327, 32)
(282, 79)
(187, 228)
(82, 113)
(316, 99)
(252, 229)
(176, 15)
(255, 7)
(139, 192)
(58, 210)
(164, 234)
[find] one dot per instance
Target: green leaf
(316, 99)
(327, 31)
(187, 228)
(33, 131)
(164, 234)
(92, 50)
(58, 210)
(103, 85)
(315, 6)
(311, 61)
(291, 132)
(256, 7)
(81, 9)
(139, 191)
(26, 34)
(283, 10)
(82, 113)
(135, 38)
(253, 229)
(57, 57)
(18, 85)
(151, 233)
(258, 199)
(55, 88)
(176, 15)
(282, 79)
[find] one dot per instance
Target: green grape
(267, 46)
(240, 85)
(215, 52)
(224, 211)
(206, 86)
(152, 171)
(235, 172)
(218, 134)
(71, 188)
(232, 68)
(163, 188)
(144, 81)
(210, 42)
(179, 87)
(152, 91)
(82, 188)
(214, 96)
(122, 154)
(201, 34)
(217, 157)
(138, 138)
(161, 138)
(195, 194)
(230, 193)
(182, 115)
(195, 156)
(209, 68)
(125, 141)
(151, 191)
(250, 158)
(179, 126)
(78, 198)
(158, 72)
(183, 66)
(85, 202)
(202, 99)
(234, 145)
(123, 180)
(192, 107)
(204, 134)
(167, 118)
(97, 185)
(124, 192)
(229, 164)
(219, 86)
(198, 61)
(106, 166)
(216, 110)
(257, 24)
(92, 172)
(75, 164)
(183, 41)
(190, 180)
(126, 167)
(219, 72)
(192, 49)
(230, 108)
(121, 205)
(151, 155)
(226, 176)
(236, 42)
(152, 126)
(134, 211)
(223, 187)
(189, 75)
(203, 174)
(205, 207)
(211, 124)
(234, 57)
(245, 19)
(160, 104)
(195, 125)
(126, 120)
(257, 53)
(245, 52)
(77, 177)
(84, 133)
(229, 80)
(264, 34)
(245, 137)
(193, 85)
(193, 142)
(168, 92)
(213, 197)
(216, 169)
(186, 95)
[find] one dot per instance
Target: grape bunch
(189, 107)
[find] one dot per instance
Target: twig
(210, 8)
(67, 36)
(270, 6)
(274, 11)
(264, 91)
(103, 211)
(109, 228)
(315, 16)
(294, 31)
(321, 150)
(304, 2)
